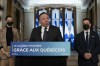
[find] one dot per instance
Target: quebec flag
(69, 27)
(61, 24)
(57, 19)
(41, 11)
(37, 21)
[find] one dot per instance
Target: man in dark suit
(45, 32)
(87, 44)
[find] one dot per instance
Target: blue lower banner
(40, 49)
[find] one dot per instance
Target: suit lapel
(91, 34)
(83, 36)
(90, 38)
(49, 33)
(83, 39)
(39, 33)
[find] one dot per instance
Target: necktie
(87, 37)
(87, 42)
(45, 34)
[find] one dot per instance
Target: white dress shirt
(85, 33)
(42, 31)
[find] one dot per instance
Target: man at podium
(45, 32)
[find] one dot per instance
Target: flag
(72, 32)
(37, 21)
(55, 17)
(55, 22)
(66, 33)
(41, 11)
(61, 25)
(69, 27)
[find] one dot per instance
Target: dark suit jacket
(54, 34)
(81, 47)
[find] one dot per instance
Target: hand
(87, 55)
(7, 54)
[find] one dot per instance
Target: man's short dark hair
(8, 17)
(42, 14)
(1, 8)
(87, 19)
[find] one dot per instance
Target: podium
(40, 53)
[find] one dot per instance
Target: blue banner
(40, 49)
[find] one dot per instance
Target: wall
(98, 15)
(28, 24)
(80, 14)
(4, 4)
(5, 10)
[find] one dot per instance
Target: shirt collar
(43, 28)
(87, 31)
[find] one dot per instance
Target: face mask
(85, 26)
(9, 23)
